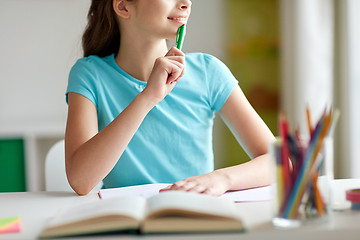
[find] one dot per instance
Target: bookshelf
(35, 139)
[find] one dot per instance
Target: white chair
(55, 173)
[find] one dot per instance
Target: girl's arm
(90, 155)
(252, 132)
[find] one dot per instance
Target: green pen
(180, 36)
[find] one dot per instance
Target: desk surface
(36, 208)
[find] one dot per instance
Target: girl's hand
(166, 72)
(214, 183)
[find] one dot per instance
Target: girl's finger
(187, 186)
(198, 189)
(174, 52)
(165, 188)
(179, 59)
(181, 67)
(174, 74)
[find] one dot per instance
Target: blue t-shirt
(175, 139)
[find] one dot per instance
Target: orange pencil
(308, 118)
(319, 203)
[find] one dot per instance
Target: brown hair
(102, 34)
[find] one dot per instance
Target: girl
(136, 116)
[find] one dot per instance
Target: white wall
(206, 31)
(39, 42)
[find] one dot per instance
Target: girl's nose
(185, 4)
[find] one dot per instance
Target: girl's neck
(137, 58)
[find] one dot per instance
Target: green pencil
(180, 36)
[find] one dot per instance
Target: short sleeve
(221, 81)
(82, 80)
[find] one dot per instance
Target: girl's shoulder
(207, 62)
(204, 60)
(91, 64)
(91, 61)
(200, 57)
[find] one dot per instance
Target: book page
(133, 207)
(149, 190)
(191, 202)
(144, 191)
(250, 195)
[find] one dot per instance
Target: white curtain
(321, 68)
(307, 58)
(347, 89)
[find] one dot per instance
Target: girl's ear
(120, 8)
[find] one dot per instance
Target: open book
(149, 190)
(171, 211)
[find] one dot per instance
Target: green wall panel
(253, 56)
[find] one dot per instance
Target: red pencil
(283, 129)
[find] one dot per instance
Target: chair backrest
(55, 173)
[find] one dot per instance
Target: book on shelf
(166, 212)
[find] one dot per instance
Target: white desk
(36, 208)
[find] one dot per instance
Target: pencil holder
(303, 173)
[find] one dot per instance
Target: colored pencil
(306, 165)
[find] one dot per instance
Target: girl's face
(160, 18)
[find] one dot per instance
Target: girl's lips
(179, 19)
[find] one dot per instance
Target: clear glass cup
(302, 186)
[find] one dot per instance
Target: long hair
(102, 34)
